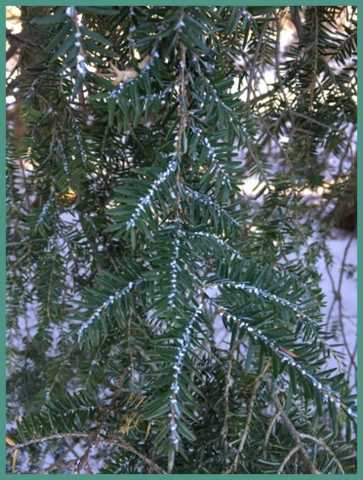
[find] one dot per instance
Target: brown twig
(295, 435)
(45, 439)
(287, 458)
(243, 439)
(254, 63)
(322, 444)
(226, 399)
(133, 450)
(251, 405)
(269, 431)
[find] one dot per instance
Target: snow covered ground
(339, 284)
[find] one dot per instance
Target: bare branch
(295, 435)
(322, 444)
(287, 458)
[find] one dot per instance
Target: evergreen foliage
(131, 240)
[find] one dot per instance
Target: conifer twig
(243, 439)
(45, 439)
(287, 458)
(322, 444)
(295, 435)
(269, 431)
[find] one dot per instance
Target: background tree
(130, 239)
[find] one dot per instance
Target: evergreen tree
(130, 240)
